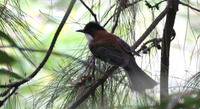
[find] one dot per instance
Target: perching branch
(15, 85)
(93, 87)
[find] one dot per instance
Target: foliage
(185, 100)
(71, 70)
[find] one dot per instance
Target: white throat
(88, 37)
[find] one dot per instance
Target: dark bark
(167, 36)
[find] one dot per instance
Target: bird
(115, 51)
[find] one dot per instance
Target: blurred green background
(41, 19)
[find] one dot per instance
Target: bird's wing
(126, 47)
(108, 53)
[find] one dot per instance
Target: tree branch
(198, 10)
(17, 84)
(5, 92)
(117, 16)
(127, 6)
(155, 43)
(151, 27)
(3, 101)
(90, 10)
(93, 87)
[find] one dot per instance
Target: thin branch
(198, 10)
(109, 19)
(48, 52)
(117, 16)
(93, 14)
(3, 101)
(17, 84)
(154, 6)
(151, 27)
(121, 9)
(155, 40)
(5, 92)
(155, 43)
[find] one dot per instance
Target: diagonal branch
(90, 10)
(93, 87)
(151, 27)
(14, 90)
(121, 9)
(198, 10)
(17, 84)
(117, 16)
(48, 52)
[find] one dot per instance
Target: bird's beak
(80, 31)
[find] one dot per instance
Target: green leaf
(5, 58)
(8, 38)
(10, 73)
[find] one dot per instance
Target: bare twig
(154, 6)
(155, 42)
(90, 10)
(109, 19)
(121, 9)
(117, 16)
(198, 10)
(17, 84)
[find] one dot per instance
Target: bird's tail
(138, 79)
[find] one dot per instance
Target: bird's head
(90, 29)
